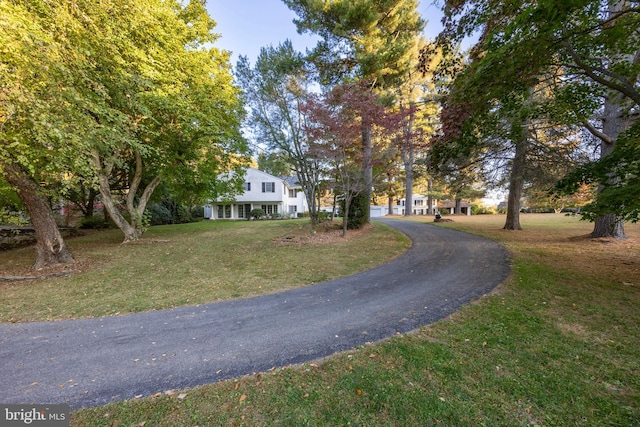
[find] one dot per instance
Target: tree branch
(135, 183)
(596, 132)
(625, 87)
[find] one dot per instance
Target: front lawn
(190, 264)
(557, 344)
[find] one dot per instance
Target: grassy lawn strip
(557, 344)
(191, 264)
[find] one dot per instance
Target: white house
(421, 207)
(283, 196)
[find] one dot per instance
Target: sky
(247, 25)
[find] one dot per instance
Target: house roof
(291, 181)
(452, 203)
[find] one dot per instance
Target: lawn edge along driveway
(89, 362)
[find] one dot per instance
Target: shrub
(160, 215)
(324, 216)
(182, 215)
(93, 223)
(256, 214)
(481, 210)
(197, 213)
(8, 217)
(357, 212)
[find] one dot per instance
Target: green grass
(558, 344)
(189, 264)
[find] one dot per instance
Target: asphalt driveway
(91, 362)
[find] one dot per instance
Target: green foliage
(125, 91)
(324, 216)
(169, 212)
(197, 213)
(9, 217)
(8, 197)
(621, 171)
(481, 210)
(274, 163)
(257, 213)
(93, 222)
(365, 39)
(160, 215)
(358, 212)
(589, 47)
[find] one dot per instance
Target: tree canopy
(591, 46)
(91, 88)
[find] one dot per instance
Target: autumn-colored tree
(372, 40)
(334, 123)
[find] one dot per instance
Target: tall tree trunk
(430, 209)
(408, 158)
(307, 176)
(134, 230)
(390, 205)
(408, 168)
(345, 215)
(610, 225)
(91, 200)
(50, 246)
(334, 206)
(130, 232)
(367, 167)
(516, 181)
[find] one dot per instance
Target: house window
(293, 194)
(241, 209)
(268, 187)
(293, 209)
(270, 209)
(224, 211)
(246, 186)
(419, 202)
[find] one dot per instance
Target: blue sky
(247, 25)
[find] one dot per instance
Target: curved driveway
(91, 362)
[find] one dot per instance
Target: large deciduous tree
(595, 44)
(40, 118)
(275, 90)
(92, 87)
(179, 105)
(334, 123)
